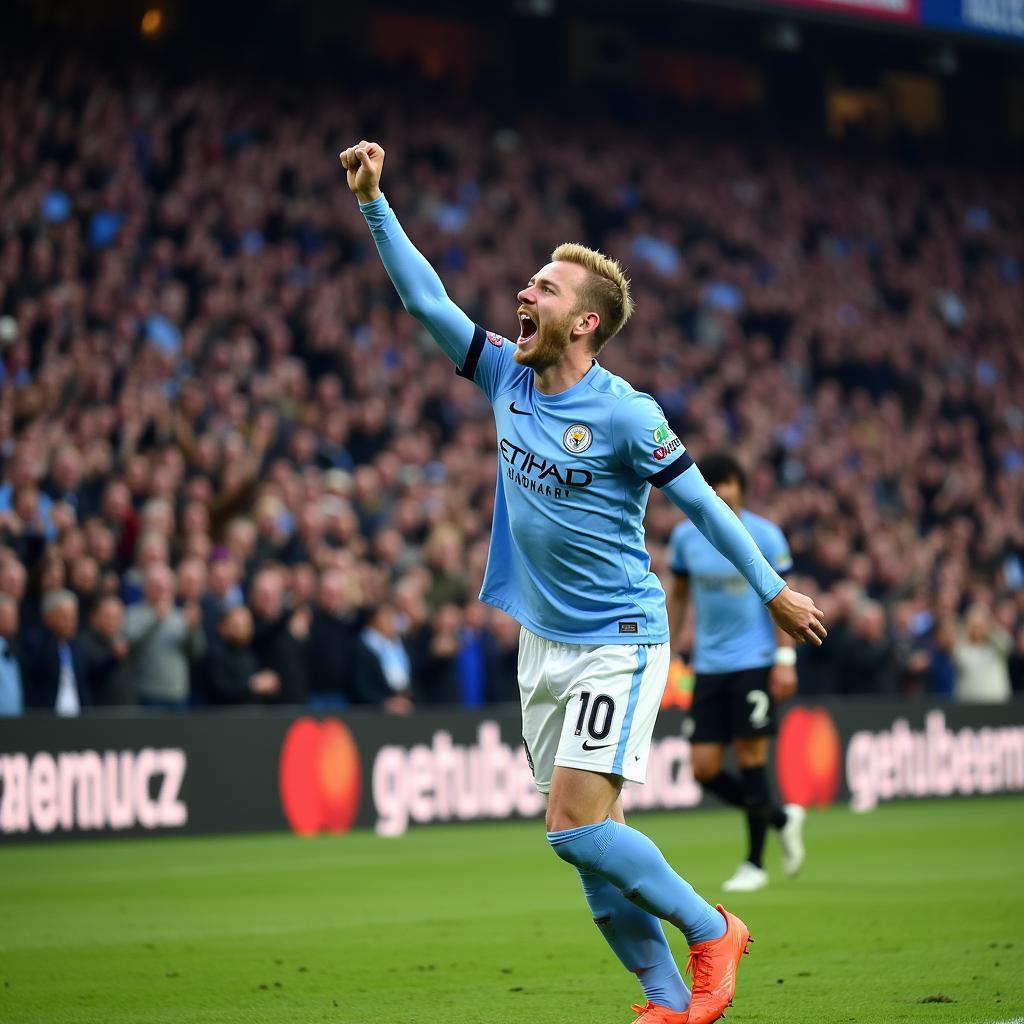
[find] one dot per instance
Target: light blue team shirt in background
(567, 557)
(733, 630)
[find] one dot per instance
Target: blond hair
(605, 290)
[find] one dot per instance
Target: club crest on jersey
(577, 438)
(494, 339)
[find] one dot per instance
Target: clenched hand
(363, 164)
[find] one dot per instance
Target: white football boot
(748, 878)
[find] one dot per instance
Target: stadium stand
(204, 367)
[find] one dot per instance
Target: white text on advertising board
(490, 779)
(88, 790)
(902, 762)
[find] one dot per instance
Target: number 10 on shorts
(602, 710)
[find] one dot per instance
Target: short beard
(551, 345)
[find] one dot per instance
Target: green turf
(482, 924)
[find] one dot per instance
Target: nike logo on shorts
(518, 412)
(599, 746)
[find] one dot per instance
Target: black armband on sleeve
(476, 346)
(669, 473)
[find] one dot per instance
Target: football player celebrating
(578, 452)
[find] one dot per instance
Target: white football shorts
(589, 706)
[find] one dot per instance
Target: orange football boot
(713, 965)
(653, 1014)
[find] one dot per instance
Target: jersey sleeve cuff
(374, 204)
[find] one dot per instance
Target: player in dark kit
(744, 665)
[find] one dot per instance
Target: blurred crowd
(234, 471)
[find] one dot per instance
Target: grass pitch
(912, 913)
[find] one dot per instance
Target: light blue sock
(636, 867)
(637, 939)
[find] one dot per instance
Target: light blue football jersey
(567, 556)
(733, 630)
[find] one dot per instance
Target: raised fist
(363, 164)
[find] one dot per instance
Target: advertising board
(250, 772)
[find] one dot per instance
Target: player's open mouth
(527, 327)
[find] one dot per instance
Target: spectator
(191, 582)
(233, 674)
(445, 556)
(306, 541)
(241, 540)
(65, 477)
(118, 514)
(302, 584)
(273, 523)
(12, 695)
(164, 642)
(22, 473)
(332, 645)
(281, 635)
(223, 591)
(1016, 665)
(434, 652)
(85, 580)
(471, 660)
(59, 676)
(869, 661)
(942, 663)
(384, 676)
(100, 544)
(21, 527)
(982, 654)
(13, 578)
(153, 548)
(105, 651)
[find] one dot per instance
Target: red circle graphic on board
(320, 777)
(808, 758)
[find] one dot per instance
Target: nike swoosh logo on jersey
(599, 746)
(518, 412)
